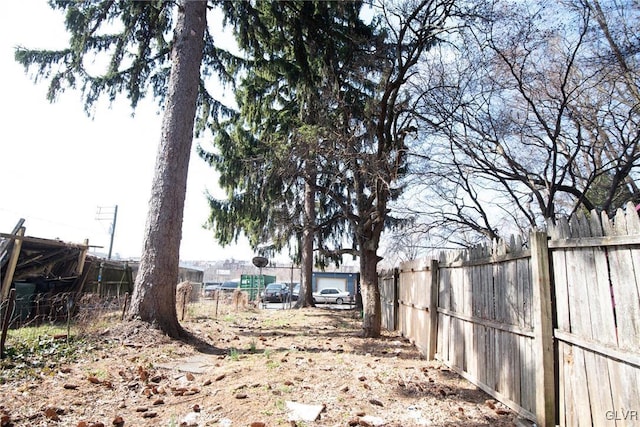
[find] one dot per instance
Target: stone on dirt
(303, 412)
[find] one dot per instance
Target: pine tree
(133, 39)
(267, 153)
(322, 126)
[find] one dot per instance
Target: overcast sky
(57, 166)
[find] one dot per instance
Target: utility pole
(108, 213)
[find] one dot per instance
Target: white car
(332, 295)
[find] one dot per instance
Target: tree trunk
(372, 309)
(154, 294)
(305, 298)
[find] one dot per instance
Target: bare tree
(525, 122)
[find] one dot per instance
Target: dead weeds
(248, 368)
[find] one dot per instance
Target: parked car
(209, 289)
(229, 286)
(295, 292)
(332, 296)
(275, 292)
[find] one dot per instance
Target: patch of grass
(280, 405)
(252, 346)
(34, 333)
(286, 389)
(101, 374)
(234, 354)
(272, 364)
(33, 351)
(229, 318)
(275, 323)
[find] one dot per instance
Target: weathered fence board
(598, 318)
(387, 283)
(415, 298)
(501, 309)
(484, 321)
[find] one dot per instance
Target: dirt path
(246, 370)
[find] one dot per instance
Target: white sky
(57, 165)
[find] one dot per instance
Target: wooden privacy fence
(388, 298)
(596, 264)
(550, 327)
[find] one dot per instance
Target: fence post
(396, 297)
(433, 310)
(543, 331)
(11, 265)
(6, 318)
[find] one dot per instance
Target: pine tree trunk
(305, 299)
(372, 309)
(154, 294)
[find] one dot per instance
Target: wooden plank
(476, 292)
(486, 290)
(580, 390)
(459, 339)
(561, 288)
(485, 360)
(569, 397)
(444, 288)
(433, 310)
(524, 280)
(11, 265)
(595, 224)
(597, 373)
(579, 315)
(527, 375)
(490, 355)
(4, 244)
(446, 330)
(511, 293)
(507, 361)
(585, 242)
(484, 261)
(620, 223)
(516, 369)
(528, 332)
(473, 364)
(562, 407)
(626, 356)
(457, 286)
(499, 291)
(46, 242)
(440, 345)
(600, 299)
(498, 362)
(589, 304)
(607, 225)
(625, 279)
(467, 292)
(633, 219)
(543, 330)
(628, 398)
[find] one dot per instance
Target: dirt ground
(251, 367)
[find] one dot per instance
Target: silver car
(332, 296)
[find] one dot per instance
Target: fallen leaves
(356, 382)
